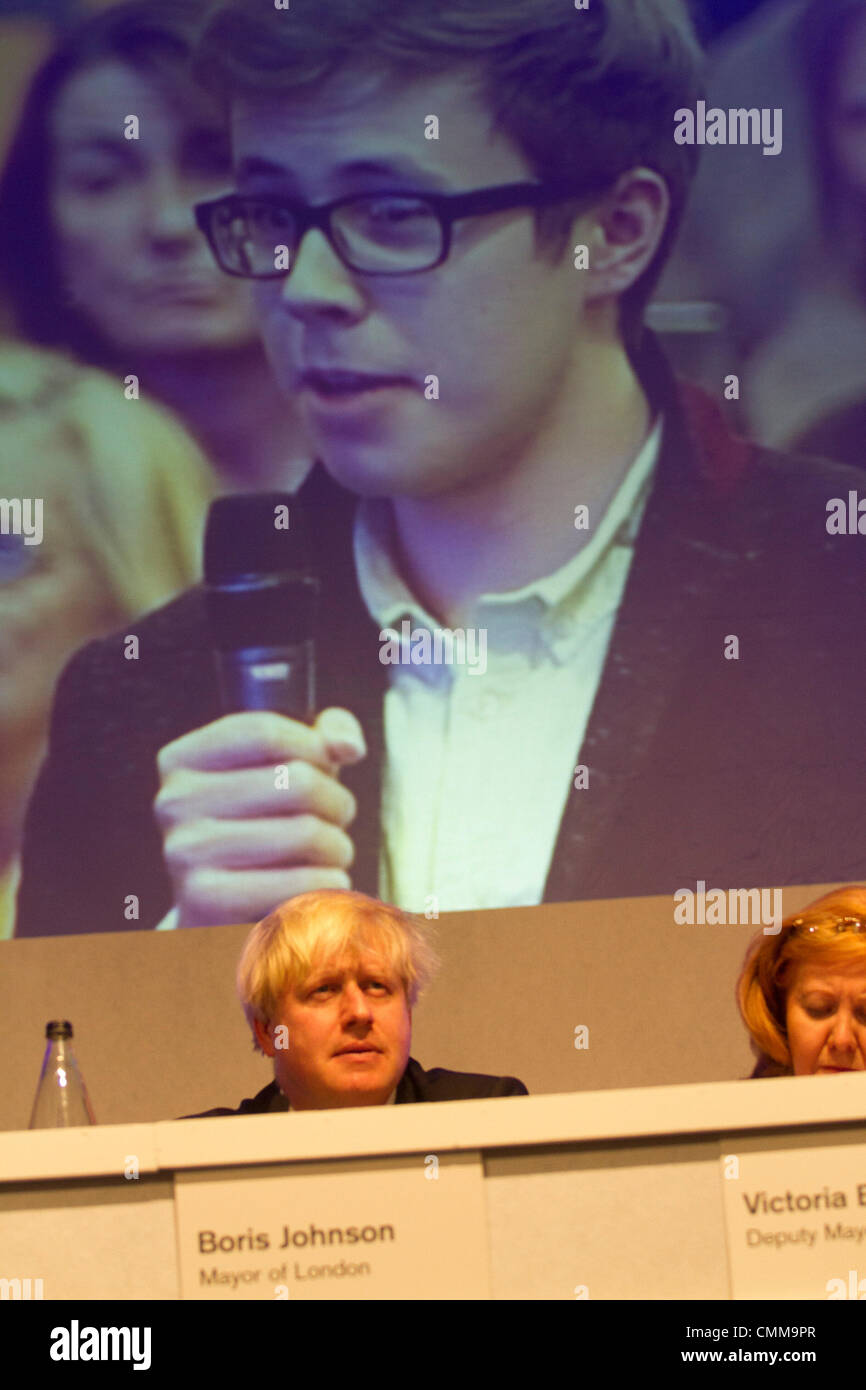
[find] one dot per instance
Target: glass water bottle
(61, 1096)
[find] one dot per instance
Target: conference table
(727, 1190)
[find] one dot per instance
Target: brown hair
(585, 95)
(153, 37)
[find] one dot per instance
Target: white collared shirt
(478, 767)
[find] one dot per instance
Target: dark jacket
(839, 435)
(746, 772)
(416, 1086)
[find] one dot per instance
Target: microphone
(262, 597)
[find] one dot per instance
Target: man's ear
(623, 232)
(263, 1037)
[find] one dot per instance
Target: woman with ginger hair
(122, 494)
(802, 993)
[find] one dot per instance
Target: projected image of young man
(454, 217)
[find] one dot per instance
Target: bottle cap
(56, 1029)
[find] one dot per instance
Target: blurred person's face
(826, 1018)
(129, 252)
(498, 323)
(848, 118)
(51, 597)
(349, 1033)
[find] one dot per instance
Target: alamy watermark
(739, 906)
(21, 1289)
(22, 516)
(846, 519)
(854, 1288)
(737, 126)
(421, 646)
(77, 1343)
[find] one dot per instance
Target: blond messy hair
(770, 960)
(283, 950)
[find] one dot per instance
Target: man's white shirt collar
(388, 599)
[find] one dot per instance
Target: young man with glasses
(459, 319)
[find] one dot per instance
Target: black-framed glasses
(396, 232)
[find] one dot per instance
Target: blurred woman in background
(99, 252)
(802, 993)
(812, 369)
(123, 495)
(778, 244)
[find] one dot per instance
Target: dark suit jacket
(840, 435)
(415, 1086)
(742, 773)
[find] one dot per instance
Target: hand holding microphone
(250, 806)
(236, 841)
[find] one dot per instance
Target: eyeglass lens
(394, 233)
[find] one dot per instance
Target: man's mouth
(334, 384)
(356, 1048)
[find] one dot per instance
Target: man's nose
(318, 282)
(356, 1005)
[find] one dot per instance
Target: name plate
(388, 1228)
(796, 1222)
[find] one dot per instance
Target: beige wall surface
(159, 1032)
